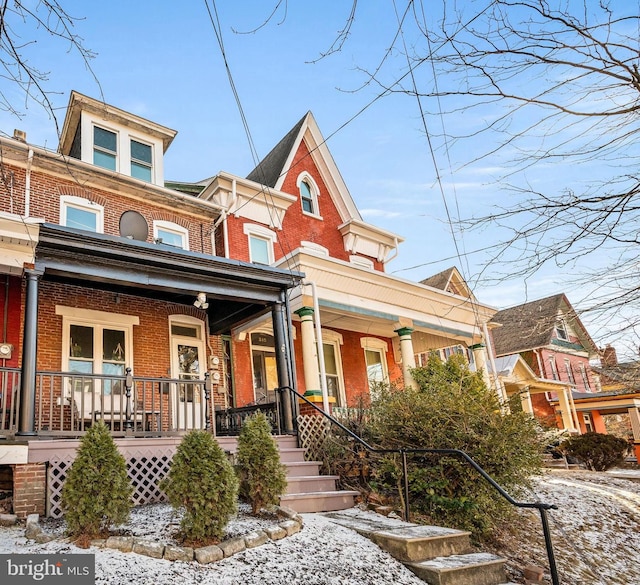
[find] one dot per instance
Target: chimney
(608, 356)
(20, 135)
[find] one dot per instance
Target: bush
(201, 480)
(452, 409)
(597, 451)
(262, 477)
(97, 491)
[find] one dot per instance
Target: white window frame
(569, 369)
(67, 201)
(116, 154)
(151, 166)
(335, 339)
(374, 344)
(585, 377)
(99, 320)
(554, 368)
(170, 226)
(313, 247)
(361, 262)
(562, 332)
(315, 192)
(262, 233)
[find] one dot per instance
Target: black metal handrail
(540, 506)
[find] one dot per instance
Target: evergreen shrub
(451, 408)
(597, 451)
(202, 482)
(97, 492)
(262, 477)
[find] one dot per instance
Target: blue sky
(161, 60)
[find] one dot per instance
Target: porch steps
(307, 489)
(439, 556)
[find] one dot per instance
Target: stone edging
(170, 552)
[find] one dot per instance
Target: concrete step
(311, 483)
(298, 468)
(417, 543)
(291, 455)
(469, 569)
(319, 501)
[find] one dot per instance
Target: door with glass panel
(188, 366)
(97, 350)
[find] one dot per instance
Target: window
(331, 342)
(171, 234)
(585, 377)
(105, 148)
(554, 368)
(561, 330)
(570, 376)
(261, 240)
(265, 371)
(376, 361)
(361, 262)
(308, 195)
(96, 342)
(588, 423)
(82, 214)
(141, 161)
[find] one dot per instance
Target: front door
(187, 363)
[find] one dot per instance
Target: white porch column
(309, 353)
(408, 357)
(480, 358)
(634, 416)
(525, 398)
(565, 410)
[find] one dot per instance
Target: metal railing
(229, 421)
(68, 403)
(540, 506)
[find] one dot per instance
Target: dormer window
(308, 195)
(105, 148)
(561, 330)
(141, 163)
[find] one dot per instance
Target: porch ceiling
(236, 291)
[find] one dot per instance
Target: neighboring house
(542, 351)
(159, 306)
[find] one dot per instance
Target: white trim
(373, 343)
(361, 262)
(170, 226)
(100, 317)
(335, 340)
(260, 232)
(313, 247)
(305, 177)
(67, 201)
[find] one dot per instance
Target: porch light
(201, 301)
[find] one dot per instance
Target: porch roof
(241, 290)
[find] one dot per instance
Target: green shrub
(262, 477)
(597, 451)
(201, 480)
(451, 409)
(97, 491)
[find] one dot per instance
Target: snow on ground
(595, 531)
(323, 553)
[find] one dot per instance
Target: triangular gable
(273, 169)
(531, 325)
(451, 281)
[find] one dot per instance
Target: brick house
(543, 352)
(163, 306)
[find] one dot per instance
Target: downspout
(320, 349)
(27, 184)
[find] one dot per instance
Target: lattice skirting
(145, 467)
(312, 432)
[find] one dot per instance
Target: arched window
(308, 195)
